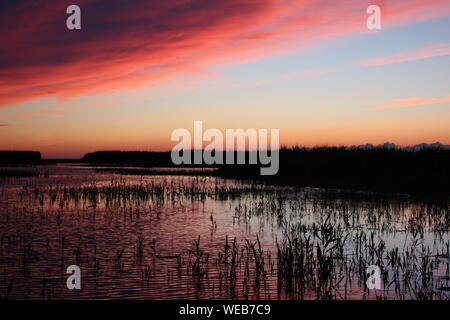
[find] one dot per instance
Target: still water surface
(199, 237)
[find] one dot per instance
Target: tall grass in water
(321, 247)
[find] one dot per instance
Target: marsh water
(203, 237)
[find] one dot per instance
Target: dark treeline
(19, 157)
(378, 169)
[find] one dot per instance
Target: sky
(137, 70)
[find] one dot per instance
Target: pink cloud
(434, 50)
(4, 125)
(50, 111)
(126, 44)
(412, 102)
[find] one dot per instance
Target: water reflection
(200, 237)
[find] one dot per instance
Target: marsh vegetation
(205, 237)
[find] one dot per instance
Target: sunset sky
(137, 70)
